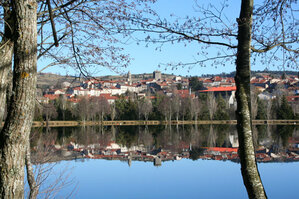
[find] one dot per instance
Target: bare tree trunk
(30, 175)
(211, 102)
(15, 133)
(5, 67)
(6, 50)
(251, 177)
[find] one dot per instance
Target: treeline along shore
(155, 122)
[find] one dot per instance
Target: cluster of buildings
(266, 85)
(114, 151)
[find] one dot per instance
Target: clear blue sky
(147, 59)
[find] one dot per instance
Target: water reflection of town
(159, 143)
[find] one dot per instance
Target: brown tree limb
(52, 24)
(34, 188)
(268, 48)
(51, 46)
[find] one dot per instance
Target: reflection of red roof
(76, 88)
(219, 89)
(293, 98)
(293, 88)
(293, 140)
(260, 88)
(221, 149)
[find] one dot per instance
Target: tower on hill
(157, 75)
(129, 78)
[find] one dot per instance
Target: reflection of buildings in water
(157, 161)
(130, 159)
(233, 138)
(166, 150)
(266, 142)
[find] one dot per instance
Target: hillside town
(265, 87)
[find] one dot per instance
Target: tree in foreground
(84, 38)
(266, 34)
(14, 137)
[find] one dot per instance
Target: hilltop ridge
(47, 80)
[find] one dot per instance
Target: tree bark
(5, 67)
(251, 177)
(33, 187)
(15, 133)
(6, 51)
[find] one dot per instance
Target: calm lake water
(158, 162)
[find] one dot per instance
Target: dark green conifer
(261, 110)
(285, 110)
(221, 112)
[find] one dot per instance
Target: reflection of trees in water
(174, 139)
(146, 137)
(282, 134)
(216, 135)
(274, 137)
(63, 136)
(196, 152)
(204, 131)
(222, 135)
(262, 131)
(211, 137)
(42, 138)
(127, 135)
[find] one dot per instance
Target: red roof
(230, 80)
(258, 81)
(217, 79)
(183, 91)
(163, 84)
(74, 100)
(151, 97)
(266, 76)
(51, 97)
(105, 94)
(208, 81)
(110, 97)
